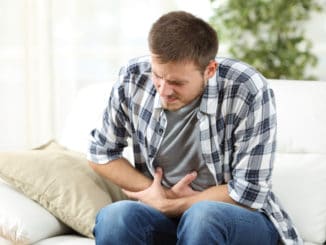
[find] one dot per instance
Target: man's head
(179, 36)
(183, 49)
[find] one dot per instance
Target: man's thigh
(222, 223)
(132, 222)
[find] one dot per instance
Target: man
(203, 132)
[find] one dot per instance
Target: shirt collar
(157, 101)
(209, 100)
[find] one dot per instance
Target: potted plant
(269, 35)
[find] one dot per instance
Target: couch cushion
(299, 180)
(62, 182)
(18, 222)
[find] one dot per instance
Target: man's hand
(175, 203)
(183, 188)
(154, 195)
(157, 197)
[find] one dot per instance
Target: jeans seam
(149, 235)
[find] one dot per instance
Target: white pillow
(23, 221)
(299, 180)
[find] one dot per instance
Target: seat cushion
(67, 240)
(299, 180)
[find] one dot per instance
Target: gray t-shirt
(180, 150)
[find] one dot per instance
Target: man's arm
(124, 175)
(178, 206)
(121, 173)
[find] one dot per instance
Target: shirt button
(151, 154)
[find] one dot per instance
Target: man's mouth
(170, 99)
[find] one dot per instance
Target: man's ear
(210, 69)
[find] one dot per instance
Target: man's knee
(113, 219)
(204, 222)
(117, 213)
(206, 211)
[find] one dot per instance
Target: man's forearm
(121, 173)
(176, 207)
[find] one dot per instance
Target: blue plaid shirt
(237, 132)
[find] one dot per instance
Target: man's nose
(165, 89)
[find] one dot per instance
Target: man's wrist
(174, 207)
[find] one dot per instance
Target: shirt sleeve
(107, 142)
(254, 150)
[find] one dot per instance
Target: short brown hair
(180, 36)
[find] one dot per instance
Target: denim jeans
(206, 222)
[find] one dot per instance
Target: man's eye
(175, 83)
(156, 76)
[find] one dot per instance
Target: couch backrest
(301, 109)
(86, 113)
(299, 176)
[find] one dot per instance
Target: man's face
(178, 84)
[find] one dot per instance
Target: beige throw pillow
(62, 182)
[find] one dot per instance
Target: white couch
(299, 177)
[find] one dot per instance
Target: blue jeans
(206, 222)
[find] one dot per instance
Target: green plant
(268, 34)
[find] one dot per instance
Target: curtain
(51, 48)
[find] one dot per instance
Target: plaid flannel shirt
(237, 132)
